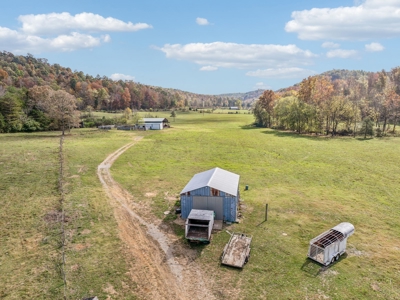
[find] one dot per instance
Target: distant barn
(155, 123)
(216, 190)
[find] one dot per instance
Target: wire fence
(62, 221)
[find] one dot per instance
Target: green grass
(311, 184)
(29, 236)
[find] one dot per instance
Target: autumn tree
(62, 107)
(264, 108)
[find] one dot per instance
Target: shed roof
(154, 120)
(216, 178)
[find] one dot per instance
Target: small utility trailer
(237, 252)
(330, 245)
(199, 225)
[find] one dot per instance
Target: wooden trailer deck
(237, 251)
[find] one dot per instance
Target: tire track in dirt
(160, 265)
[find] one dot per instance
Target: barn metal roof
(216, 178)
(154, 120)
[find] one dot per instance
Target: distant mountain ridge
(244, 96)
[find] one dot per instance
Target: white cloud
(58, 23)
(18, 42)
(262, 86)
(208, 68)
(330, 45)
(341, 53)
(118, 76)
(232, 55)
(202, 21)
(281, 73)
(374, 47)
(371, 19)
(61, 32)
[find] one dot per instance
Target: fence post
(266, 212)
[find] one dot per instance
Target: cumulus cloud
(61, 32)
(21, 43)
(58, 23)
(281, 73)
(374, 47)
(202, 21)
(330, 45)
(371, 19)
(208, 68)
(118, 76)
(341, 53)
(232, 55)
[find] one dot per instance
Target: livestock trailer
(237, 252)
(330, 245)
(199, 225)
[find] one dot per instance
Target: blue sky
(208, 46)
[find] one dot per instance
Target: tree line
(332, 105)
(22, 110)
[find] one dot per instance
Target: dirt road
(161, 265)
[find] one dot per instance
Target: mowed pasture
(310, 183)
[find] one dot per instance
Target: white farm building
(155, 123)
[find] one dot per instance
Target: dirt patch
(74, 268)
(86, 231)
(109, 289)
(353, 251)
(74, 176)
(80, 247)
(375, 287)
(151, 195)
(160, 265)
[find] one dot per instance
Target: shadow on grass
(291, 134)
(30, 136)
(314, 269)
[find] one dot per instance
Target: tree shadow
(250, 126)
(295, 135)
(11, 137)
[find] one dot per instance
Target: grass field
(310, 183)
(30, 234)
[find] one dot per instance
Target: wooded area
(342, 102)
(30, 86)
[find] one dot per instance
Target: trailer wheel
(332, 260)
(337, 257)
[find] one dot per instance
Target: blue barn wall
(229, 206)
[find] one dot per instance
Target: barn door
(200, 202)
(217, 205)
(210, 203)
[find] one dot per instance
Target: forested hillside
(338, 101)
(26, 106)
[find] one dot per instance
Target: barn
(216, 190)
(155, 123)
